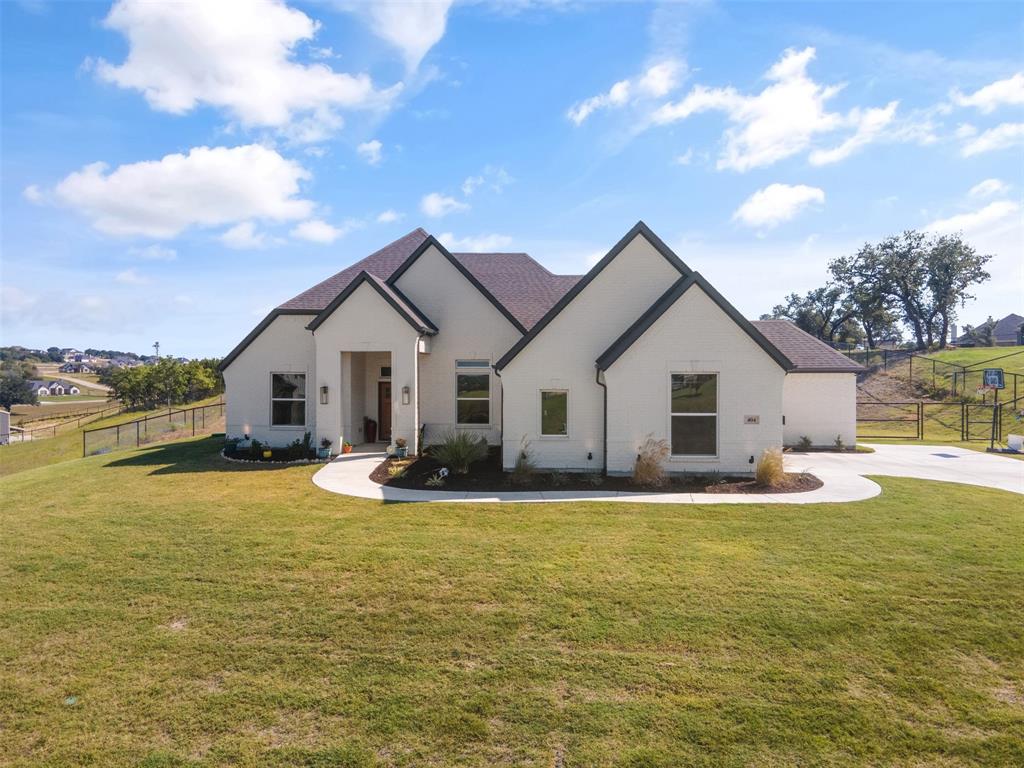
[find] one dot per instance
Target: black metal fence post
(137, 435)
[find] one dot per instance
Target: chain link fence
(170, 425)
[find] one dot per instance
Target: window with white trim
(694, 414)
(554, 413)
(472, 392)
(287, 399)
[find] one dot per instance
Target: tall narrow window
(694, 414)
(287, 399)
(554, 413)
(472, 392)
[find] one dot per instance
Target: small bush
(648, 469)
(769, 470)
(804, 443)
(457, 450)
(397, 469)
(595, 478)
(558, 478)
(525, 467)
(255, 449)
(840, 446)
(435, 481)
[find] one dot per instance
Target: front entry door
(384, 410)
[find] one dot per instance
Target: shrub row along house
(582, 368)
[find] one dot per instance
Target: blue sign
(992, 378)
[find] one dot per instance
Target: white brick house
(583, 368)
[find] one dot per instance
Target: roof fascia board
(364, 277)
(656, 310)
(638, 229)
(432, 241)
(262, 326)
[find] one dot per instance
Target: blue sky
(171, 172)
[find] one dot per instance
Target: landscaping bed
(487, 475)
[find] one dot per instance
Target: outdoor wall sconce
(323, 395)
(405, 395)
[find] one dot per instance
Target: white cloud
(388, 216)
(319, 231)
(686, 158)
(1002, 92)
(977, 222)
(244, 237)
(1002, 136)
(235, 55)
(411, 27)
(370, 151)
(130, 277)
(206, 187)
(777, 203)
(870, 123)
(493, 176)
(33, 194)
(475, 244)
(988, 188)
(655, 82)
(153, 253)
(782, 120)
(435, 205)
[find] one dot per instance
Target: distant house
(5, 426)
(70, 353)
(54, 388)
(72, 367)
(1006, 332)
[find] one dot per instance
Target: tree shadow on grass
(191, 457)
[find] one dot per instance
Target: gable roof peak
(637, 230)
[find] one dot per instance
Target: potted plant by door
(324, 451)
(401, 447)
(346, 447)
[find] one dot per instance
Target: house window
(554, 413)
(385, 371)
(287, 399)
(694, 407)
(472, 392)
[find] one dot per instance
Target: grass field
(164, 608)
(67, 445)
(937, 380)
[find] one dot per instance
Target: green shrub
(804, 444)
(457, 450)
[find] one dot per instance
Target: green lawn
(971, 356)
(203, 613)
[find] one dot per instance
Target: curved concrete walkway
(842, 475)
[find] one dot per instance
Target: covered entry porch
(367, 402)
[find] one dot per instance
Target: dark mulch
(487, 475)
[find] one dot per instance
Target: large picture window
(287, 399)
(694, 404)
(554, 413)
(472, 392)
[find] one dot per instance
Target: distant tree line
(51, 355)
(912, 280)
(112, 354)
(168, 381)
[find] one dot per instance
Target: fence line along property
(20, 434)
(951, 421)
(179, 422)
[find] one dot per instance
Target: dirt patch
(488, 476)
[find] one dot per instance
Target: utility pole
(156, 348)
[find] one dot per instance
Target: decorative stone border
(296, 462)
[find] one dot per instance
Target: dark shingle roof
(380, 263)
(524, 287)
(1006, 329)
(521, 285)
(808, 354)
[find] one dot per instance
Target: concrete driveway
(842, 475)
(926, 462)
